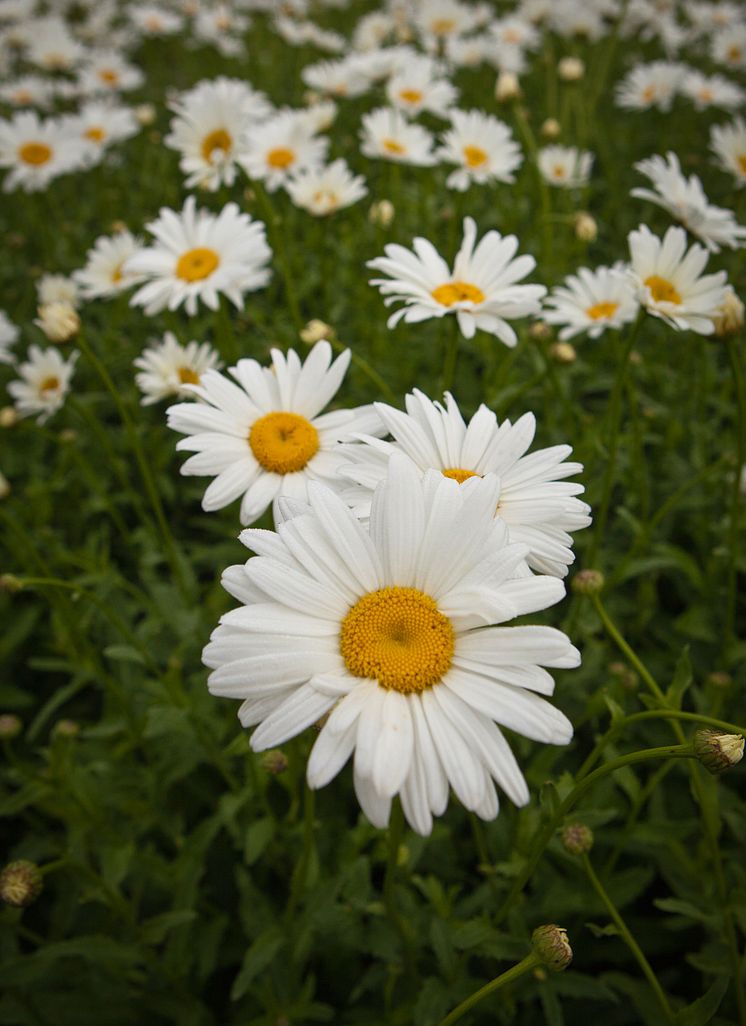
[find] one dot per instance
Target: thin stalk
(524, 966)
(736, 497)
(626, 649)
(274, 224)
(300, 874)
(369, 372)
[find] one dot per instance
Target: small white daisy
(54, 288)
(166, 367)
(728, 47)
(386, 132)
(281, 147)
(565, 166)
(482, 147)
(52, 46)
(728, 143)
(8, 337)
(650, 85)
(107, 72)
(101, 123)
(591, 301)
(44, 383)
(340, 79)
(103, 275)
(418, 87)
(155, 20)
(36, 151)
(711, 91)
(27, 91)
(440, 20)
(324, 191)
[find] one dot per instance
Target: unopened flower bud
(8, 416)
(540, 331)
(58, 320)
(729, 317)
(20, 883)
(4, 486)
(585, 226)
(65, 728)
(275, 762)
(717, 751)
(315, 331)
(145, 113)
(551, 945)
(507, 87)
(10, 583)
(719, 679)
(551, 128)
(10, 726)
(571, 69)
(577, 838)
(625, 675)
(381, 213)
(563, 352)
(588, 582)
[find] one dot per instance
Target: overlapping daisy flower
(396, 630)
(592, 301)
(264, 437)
(481, 290)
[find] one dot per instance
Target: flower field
(372, 485)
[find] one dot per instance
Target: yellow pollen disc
(741, 158)
(95, 134)
(283, 443)
(457, 474)
(457, 292)
(117, 275)
(734, 53)
(648, 93)
(392, 146)
(661, 290)
(281, 157)
(706, 95)
(49, 384)
(559, 171)
(511, 36)
(442, 26)
(187, 376)
(410, 95)
(217, 140)
(197, 263)
(599, 311)
(108, 76)
(22, 96)
(35, 153)
(475, 156)
(153, 24)
(398, 637)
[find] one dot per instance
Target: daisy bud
(315, 331)
(10, 726)
(4, 486)
(588, 582)
(275, 762)
(145, 113)
(563, 352)
(540, 331)
(10, 583)
(66, 728)
(571, 69)
(551, 128)
(719, 679)
(507, 87)
(729, 317)
(20, 883)
(626, 677)
(8, 416)
(716, 751)
(577, 838)
(58, 320)
(552, 947)
(585, 226)
(382, 213)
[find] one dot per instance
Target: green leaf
(701, 1011)
(603, 931)
(154, 930)
(682, 678)
(258, 836)
(124, 653)
(258, 957)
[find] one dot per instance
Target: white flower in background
(107, 72)
(59, 320)
(155, 20)
(51, 288)
(481, 289)
(728, 143)
(482, 147)
(440, 20)
(197, 256)
(669, 282)
(592, 301)
(51, 45)
(709, 17)
(341, 78)
(386, 133)
(255, 106)
(650, 85)
(728, 47)
(27, 91)
(511, 37)
(317, 117)
(278, 149)
(535, 501)
(418, 87)
(44, 382)
(565, 166)
(373, 30)
(37, 151)
(8, 337)
(711, 91)
(685, 199)
(265, 437)
(222, 27)
(166, 367)
(377, 628)
(101, 123)
(469, 52)
(103, 275)
(571, 19)
(326, 190)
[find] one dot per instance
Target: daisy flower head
(197, 256)
(264, 437)
(100, 123)
(591, 301)
(650, 85)
(27, 91)
(8, 336)
(103, 275)
(107, 72)
(482, 148)
(535, 502)
(728, 47)
(669, 280)
(44, 382)
(565, 166)
(728, 143)
(711, 91)
(440, 20)
(155, 20)
(36, 151)
(166, 367)
(51, 45)
(280, 148)
(387, 133)
(57, 288)
(685, 199)
(326, 190)
(418, 87)
(344, 78)
(481, 290)
(397, 631)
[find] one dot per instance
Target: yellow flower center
(398, 637)
(95, 134)
(22, 96)
(153, 23)
(741, 158)
(599, 311)
(442, 26)
(187, 376)
(734, 53)
(559, 171)
(457, 292)
(649, 93)
(108, 76)
(35, 153)
(327, 199)
(217, 140)
(458, 474)
(116, 274)
(392, 146)
(197, 263)
(475, 156)
(283, 443)
(410, 95)
(511, 36)
(49, 384)
(281, 157)
(661, 290)
(706, 95)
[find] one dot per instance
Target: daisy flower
(57, 288)
(417, 88)
(165, 368)
(37, 151)
(44, 383)
(8, 336)
(198, 255)
(482, 147)
(481, 289)
(103, 275)
(326, 190)
(101, 123)
(565, 166)
(711, 91)
(265, 437)
(728, 143)
(650, 85)
(439, 20)
(340, 78)
(221, 27)
(106, 71)
(396, 632)
(387, 133)
(27, 91)
(51, 45)
(280, 148)
(591, 301)
(154, 20)
(668, 282)
(685, 199)
(728, 47)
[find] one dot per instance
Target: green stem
(736, 497)
(274, 226)
(529, 141)
(298, 884)
(526, 965)
(628, 652)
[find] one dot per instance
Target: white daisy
(481, 289)
(728, 143)
(668, 282)
(197, 256)
(728, 47)
(27, 91)
(419, 87)
(650, 85)
(55, 288)
(280, 148)
(8, 336)
(685, 199)
(106, 71)
(711, 91)
(37, 151)
(103, 275)
(52, 46)
(166, 367)
(340, 78)
(155, 20)
(44, 383)
(101, 123)
(377, 627)
(265, 437)
(591, 301)
(565, 166)
(482, 147)
(324, 191)
(439, 20)
(386, 132)
(221, 27)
